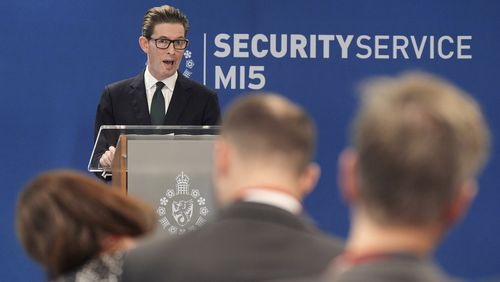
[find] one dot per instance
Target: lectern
(168, 167)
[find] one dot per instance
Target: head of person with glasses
(163, 39)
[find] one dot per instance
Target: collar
(273, 197)
(347, 260)
(150, 80)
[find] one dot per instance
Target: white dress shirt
(167, 90)
(273, 198)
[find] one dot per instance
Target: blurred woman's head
(65, 218)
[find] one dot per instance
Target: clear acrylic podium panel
(109, 134)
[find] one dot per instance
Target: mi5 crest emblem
(182, 209)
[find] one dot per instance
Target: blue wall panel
(56, 57)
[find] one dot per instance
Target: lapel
(138, 100)
(179, 100)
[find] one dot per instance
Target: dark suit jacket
(125, 103)
(246, 242)
(397, 268)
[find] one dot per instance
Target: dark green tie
(158, 105)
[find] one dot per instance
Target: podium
(168, 167)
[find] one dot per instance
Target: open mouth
(168, 62)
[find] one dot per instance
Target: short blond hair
(418, 138)
(267, 124)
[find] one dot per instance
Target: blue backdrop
(56, 57)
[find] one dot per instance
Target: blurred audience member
(77, 227)
(418, 143)
(263, 170)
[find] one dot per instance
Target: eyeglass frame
(170, 42)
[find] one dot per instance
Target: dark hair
(163, 14)
(270, 125)
(63, 216)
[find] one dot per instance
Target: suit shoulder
(335, 244)
(121, 84)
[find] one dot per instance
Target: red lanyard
(346, 260)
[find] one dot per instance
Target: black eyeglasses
(164, 43)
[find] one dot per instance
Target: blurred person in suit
(77, 228)
(263, 170)
(159, 95)
(417, 145)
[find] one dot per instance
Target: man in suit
(160, 95)
(263, 170)
(418, 143)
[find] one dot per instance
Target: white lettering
(396, 46)
(240, 42)
(223, 45)
(364, 46)
(440, 47)
(419, 50)
(242, 45)
(298, 43)
(461, 46)
(242, 77)
(283, 50)
(255, 43)
(379, 46)
(312, 46)
(220, 77)
(326, 44)
(253, 74)
(344, 45)
(256, 77)
(431, 46)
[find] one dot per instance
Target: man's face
(163, 63)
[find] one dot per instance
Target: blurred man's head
(418, 144)
(265, 140)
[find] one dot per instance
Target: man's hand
(107, 158)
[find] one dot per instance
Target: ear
(222, 172)
(143, 42)
(347, 176)
(461, 203)
(309, 179)
(221, 157)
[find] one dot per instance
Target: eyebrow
(164, 37)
